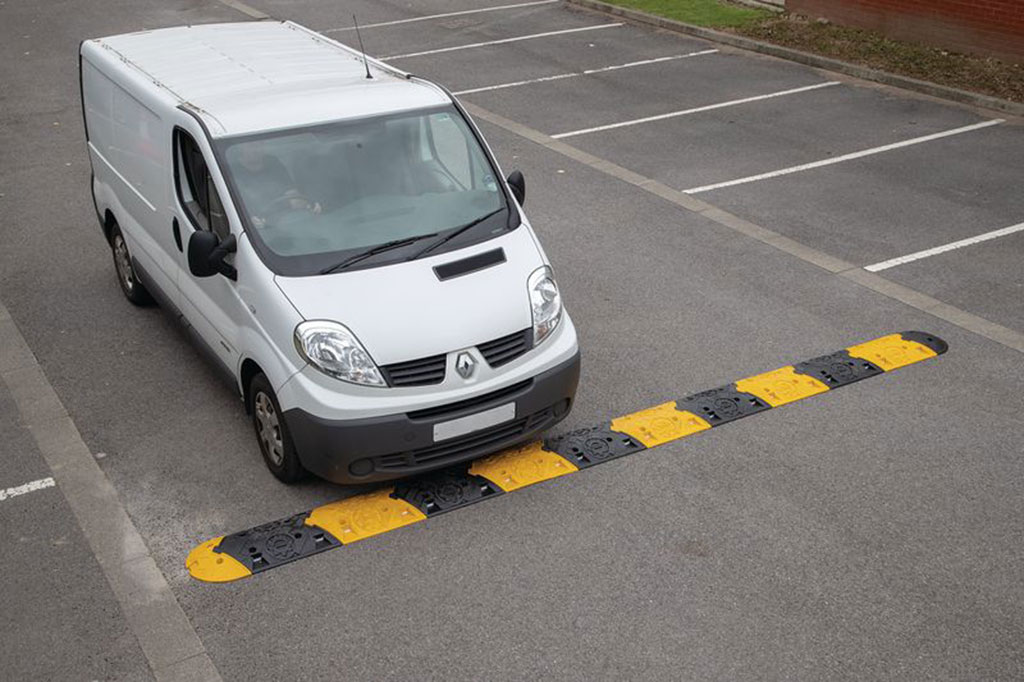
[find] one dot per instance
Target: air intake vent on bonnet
(465, 266)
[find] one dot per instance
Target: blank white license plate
(474, 422)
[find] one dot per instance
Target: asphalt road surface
(873, 533)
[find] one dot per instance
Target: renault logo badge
(464, 365)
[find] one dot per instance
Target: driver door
(210, 305)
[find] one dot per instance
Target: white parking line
(885, 265)
(686, 112)
(25, 488)
(502, 41)
(245, 9)
(588, 72)
(846, 157)
(442, 16)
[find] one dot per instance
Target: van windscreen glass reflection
(363, 193)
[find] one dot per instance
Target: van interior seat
(327, 178)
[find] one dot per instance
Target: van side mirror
(517, 183)
(206, 254)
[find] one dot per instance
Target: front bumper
(393, 446)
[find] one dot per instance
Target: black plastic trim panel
(471, 404)
(466, 266)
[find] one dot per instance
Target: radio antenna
(361, 48)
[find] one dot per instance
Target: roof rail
(387, 68)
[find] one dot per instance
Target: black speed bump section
(587, 447)
(837, 369)
(721, 405)
(937, 345)
(439, 492)
(262, 548)
(356, 518)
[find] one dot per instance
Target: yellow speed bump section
(781, 386)
(213, 567)
(892, 352)
(523, 466)
(363, 516)
(659, 424)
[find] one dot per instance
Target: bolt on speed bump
(242, 554)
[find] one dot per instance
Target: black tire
(272, 435)
(131, 287)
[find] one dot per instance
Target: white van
(338, 236)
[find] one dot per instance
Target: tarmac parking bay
(871, 532)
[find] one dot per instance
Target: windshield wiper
(456, 233)
(380, 248)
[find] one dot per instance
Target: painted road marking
(25, 488)
(335, 524)
(503, 41)
(588, 72)
(245, 9)
(910, 258)
(163, 632)
(846, 157)
(695, 110)
(429, 17)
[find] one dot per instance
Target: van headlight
(545, 303)
(335, 351)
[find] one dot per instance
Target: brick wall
(987, 27)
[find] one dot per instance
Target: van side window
(196, 191)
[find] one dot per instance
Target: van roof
(259, 76)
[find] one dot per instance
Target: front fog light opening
(334, 350)
(545, 303)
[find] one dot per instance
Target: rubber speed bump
(659, 424)
(207, 563)
(781, 386)
(896, 350)
(522, 466)
(258, 549)
(362, 516)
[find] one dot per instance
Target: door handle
(177, 233)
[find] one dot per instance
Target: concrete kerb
(817, 61)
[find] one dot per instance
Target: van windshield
(320, 199)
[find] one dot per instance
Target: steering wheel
(284, 203)
(445, 181)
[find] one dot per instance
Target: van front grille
(506, 349)
(429, 371)
(422, 372)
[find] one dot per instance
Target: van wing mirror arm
(220, 252)
(517, 183)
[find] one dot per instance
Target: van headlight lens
(545, 303)
(335, 351)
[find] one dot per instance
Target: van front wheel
(131, 287)
(272, 433)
